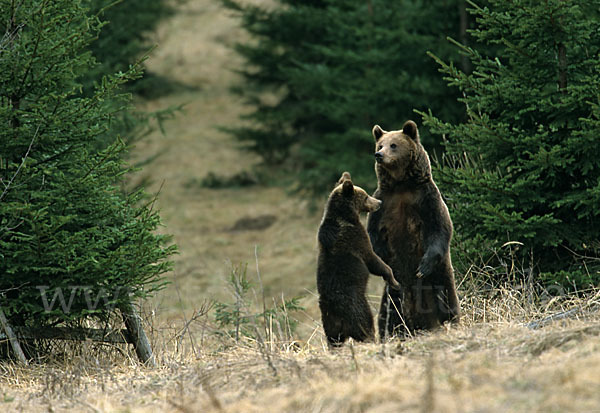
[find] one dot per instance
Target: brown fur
(345, 260)
(411, 233)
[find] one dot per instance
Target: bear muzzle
(373, 204)
(378, 157)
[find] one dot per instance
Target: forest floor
(491, 362)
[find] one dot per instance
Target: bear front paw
(394, 284)
(424, 270)
(391, 281)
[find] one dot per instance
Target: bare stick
(13, 339)
(187, 323)
(262, 290)
(428, 404)
(133, 322)
(356, 365)
(74, 334)
(400, 315)
(534, 325)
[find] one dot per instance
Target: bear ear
(410, 129)
(345, 176)
(377, 132)
(347, 188)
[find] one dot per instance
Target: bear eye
(393, 146)
(380, 147)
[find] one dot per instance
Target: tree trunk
(133, 322)
(562, 68)
(465, 63)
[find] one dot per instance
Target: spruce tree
(336, 68)
(124, 38)
(524, 167)
(72, 243)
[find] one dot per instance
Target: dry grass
(490, 362)
(498, 365)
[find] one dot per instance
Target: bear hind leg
(363, 328)
(334, 328)
(448, 304)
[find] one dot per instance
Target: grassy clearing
(490, 362)
(494, 365)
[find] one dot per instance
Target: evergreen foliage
(524, 166)
(123, 39)
(71, 243)
(321, 73)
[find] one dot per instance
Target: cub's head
(346, 193)
(400, 153)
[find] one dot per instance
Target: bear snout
(378, 157)
(373, 204)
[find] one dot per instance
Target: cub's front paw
(389, 278)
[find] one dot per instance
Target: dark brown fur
(411, 233)
(345, 260)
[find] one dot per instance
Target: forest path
(194, 48)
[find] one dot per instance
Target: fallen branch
(534, 325)
(14, 342)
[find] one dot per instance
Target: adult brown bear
(411, 232)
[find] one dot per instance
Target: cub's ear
(345, 176)
(377, 132)
(347, 188)
(410, 129)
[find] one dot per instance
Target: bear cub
(411, 233)
(345, 260)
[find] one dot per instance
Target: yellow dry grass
(491, 362)
(494, 366)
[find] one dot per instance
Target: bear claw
(395, 285)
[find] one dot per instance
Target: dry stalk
(263, 350)
(354, 359)
(428, 399)
(180, 407)
(214, 400)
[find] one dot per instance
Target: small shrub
(241, 318)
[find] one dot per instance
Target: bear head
(346, 195)
(400, 155)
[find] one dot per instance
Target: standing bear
(345, 260)
(411, 232)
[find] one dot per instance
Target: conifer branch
(7, 186)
